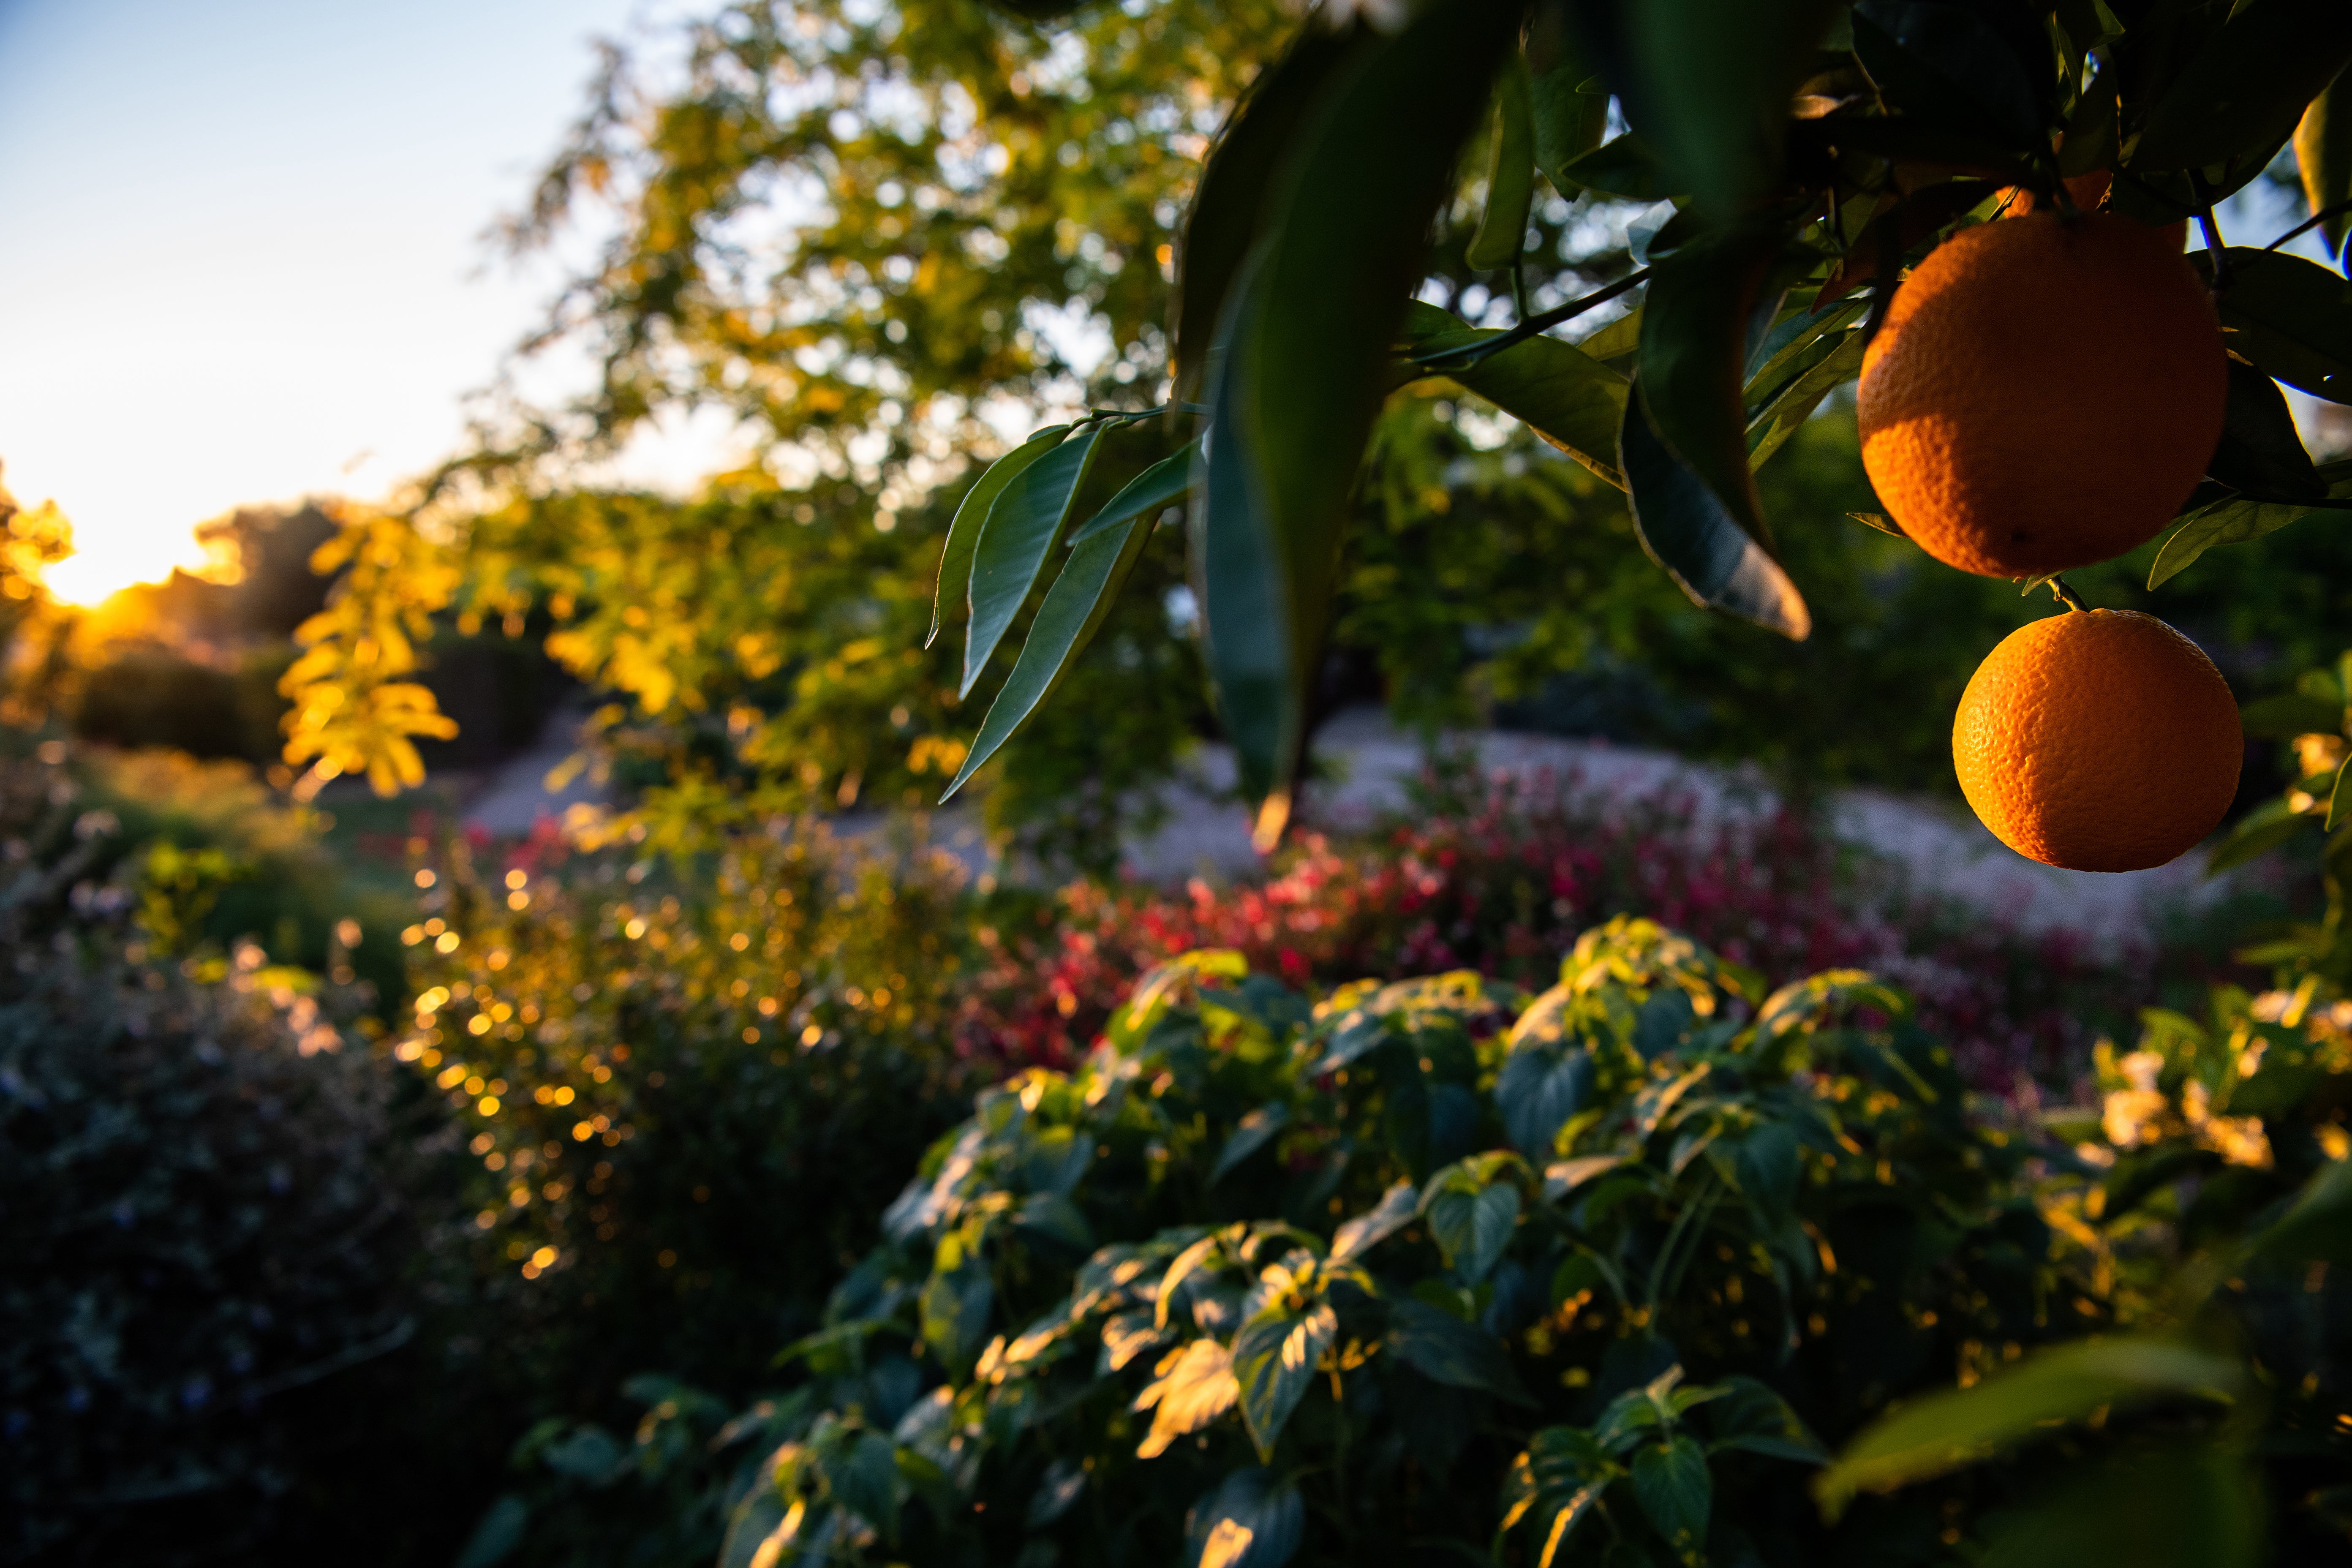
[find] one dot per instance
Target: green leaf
(1568, 398)
(1256, 1129)
(2340, 798)
(955, 1307)
(1697, 322)
(2261, 452)
(1672, 1484)
(1307, 335)
(1787, 413)
(1021, 530)
(1768, 1166)
(1058, 1215)
(2289, 315)
(1539, 1088)
(1621, 166)
(1472, 1228)
(2289, 714)
(500, 1535)
(1510, 174)
(2318, 1225)
(1952, 68)
(1161, 485)
(1392, 1213)
(1558, 1480)
(2232, 522)
(2322, 151)
(1059, 1487)
(1706, 84)
(1685, 529)
(963, 532)
(1242, 166)
(756, 1519)
(864, 1478)
(2245, 88)
(1942, 1432)
(1274, 1356)
(1751, 1417)
(1249, 1520)
(1568, 104)
(2196, 1505)
(1444, 1349)
(1075, 607)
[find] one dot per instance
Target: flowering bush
(1499, 877)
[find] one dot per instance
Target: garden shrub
(1427, 1269)
(684, 1099)
(208, 1204)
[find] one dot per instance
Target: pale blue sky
(240, 253)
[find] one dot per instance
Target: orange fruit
(2044, 394)
(2089, 193)
(2099, 741)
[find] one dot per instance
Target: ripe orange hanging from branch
(2098, 741)
(2044, 393)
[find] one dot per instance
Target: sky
(241, 252)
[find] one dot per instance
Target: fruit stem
(2065, 596)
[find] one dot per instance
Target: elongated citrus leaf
(1305, 341)
(2261, 452)
(1702, 305)
(1946, 1431)
(1510, 174)
(2322, 150)
(1020, 534)
(1786, 414)
(2289, 315)
(1162, 485)
(2247, 87)
(1707, 83)
(1621, 166)
(1686, 530)
(1567, 102)
(1230, 204)
(2234, 519)
(1563, 395)
(963, 532)
(1073, 612)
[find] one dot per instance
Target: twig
(1463, 359)
(2332, 209)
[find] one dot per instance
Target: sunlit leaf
(1392, 1213)
(1556, 390)
(950, 597)
(1024, 524)
(1275, 1357)
(1248, 1521)
(1941, 1432)
(2323, 153)
(1075, 609)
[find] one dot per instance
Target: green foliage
(1786, 212)
(1304, 1267)
(211, 1310)
(684, 1100)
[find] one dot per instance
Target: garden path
(1368, 764)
